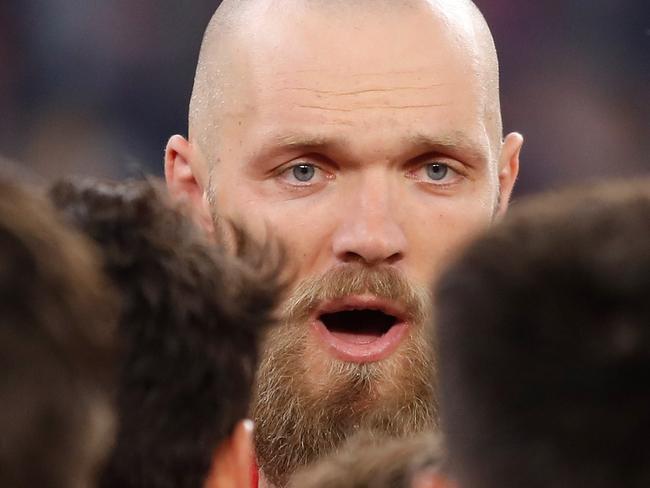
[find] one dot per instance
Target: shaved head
(366, 135)
(230, 34)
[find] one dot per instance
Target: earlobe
(508, 169)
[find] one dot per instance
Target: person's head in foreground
(544, 343)
(56, 349)
(370, 461)
(367, 135)
(190, 325)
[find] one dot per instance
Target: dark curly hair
(544, 343)
(191, 323)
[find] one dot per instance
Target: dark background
(96, 87)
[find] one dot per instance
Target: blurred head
(370, 461)
(367, 136)
(56, 349)
(190, 325)
(544, 345)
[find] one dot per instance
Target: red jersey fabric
(255, 475)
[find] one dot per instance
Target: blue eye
(303, 172)
(437, 171)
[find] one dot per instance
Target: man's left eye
(437, 171)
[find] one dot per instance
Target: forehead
(378, 74)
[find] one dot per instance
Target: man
(190, 325)
(544, 339)
(56, 349)
(367, 136)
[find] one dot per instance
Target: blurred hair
(544, 343)
(56, 348)
(368, 460)
(191, 323)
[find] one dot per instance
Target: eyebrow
(301, 141)
(298, 142)
(456, 144)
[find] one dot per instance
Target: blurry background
(95, 87)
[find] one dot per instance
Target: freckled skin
(367, 90)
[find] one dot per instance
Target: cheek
(435, 233)
(304, 228)
(305, 231)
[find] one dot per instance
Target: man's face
(362, 143)
(359, 140)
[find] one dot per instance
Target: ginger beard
(308, 400)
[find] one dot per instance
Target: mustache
(384, 282)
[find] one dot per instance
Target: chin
(364, 380)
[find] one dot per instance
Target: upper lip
(363, 302)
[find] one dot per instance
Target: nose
(368, 231)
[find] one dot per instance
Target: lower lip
(362, 350)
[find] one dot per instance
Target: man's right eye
(303, 174)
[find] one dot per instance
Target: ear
(186, 173)
(432, 479)
(233, 459)
(508, 169)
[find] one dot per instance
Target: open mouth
(360, 328)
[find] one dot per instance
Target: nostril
(353, 257)
(394, 258)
